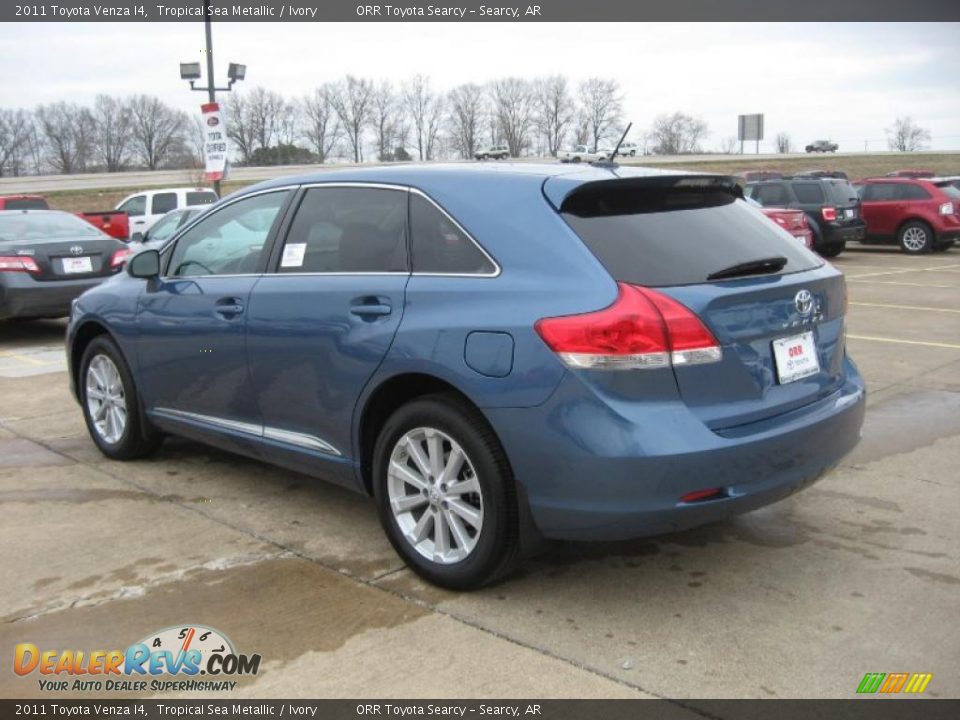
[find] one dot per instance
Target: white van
(145, 208)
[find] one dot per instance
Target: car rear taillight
(829, 214)
(947, 208)
(642, 329)
(120, 257)
(18, 263)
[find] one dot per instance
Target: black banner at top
(490, 11)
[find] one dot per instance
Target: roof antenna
(611, 163)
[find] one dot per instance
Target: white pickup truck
(581, 153)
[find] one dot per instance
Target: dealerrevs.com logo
(893, 683)
(179, 655)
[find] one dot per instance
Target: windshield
(45, 227)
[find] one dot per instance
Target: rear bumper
(833, 234)
(23, 297)
(593, 473)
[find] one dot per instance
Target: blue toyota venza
(495, 354)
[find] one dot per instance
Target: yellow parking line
(906, 307)
(949, 346)
(905, 284)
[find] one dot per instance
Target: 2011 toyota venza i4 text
(494, 353)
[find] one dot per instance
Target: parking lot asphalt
(857, 574)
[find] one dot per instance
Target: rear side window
(201, 197)
(25, 204)
(163, 203)
(773, 195)
(908, 191)
(677, 236)
(808, 193)
(439, 246)
(348, 230)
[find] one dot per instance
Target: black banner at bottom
(873, 708)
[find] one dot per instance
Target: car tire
(111, 405)
(832, 250)
(576, 159)
(472, 553)
(916, 238)
(484, 157)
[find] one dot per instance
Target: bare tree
(465, 111)
(425, 108)
(15, 126)
(352, 104)
(513, 107)
(56, 123)
(729, 145)
(383, 118)
(906, 135)
(555, 110)
(784, 143)
(321, 127)
(257, 120)
(156, 129)
(602, 107)
(677, 134)
(113, 131)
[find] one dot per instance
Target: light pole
(191, 71)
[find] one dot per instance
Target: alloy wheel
(914, 239)
(435, 495)
(106, 401)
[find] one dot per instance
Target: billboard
(750, 127)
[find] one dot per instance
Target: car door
(192, 319)
(136, 209)
(880, 206)
(322, 321)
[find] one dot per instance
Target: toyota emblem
(804, 302)
(76, 250)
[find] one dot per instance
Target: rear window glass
(840, 191)
(808, 193)
(201, 198)
(670, 236)
(46, 226)
(25, 204)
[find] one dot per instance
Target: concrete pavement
(857, 574)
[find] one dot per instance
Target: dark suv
(831, 205)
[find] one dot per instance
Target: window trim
(274, 264)
(271, 241)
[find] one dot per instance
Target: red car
(793, 221)
(921, 215)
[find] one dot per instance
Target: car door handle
(228, 307)
(371, 309)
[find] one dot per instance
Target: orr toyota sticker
(178, 658)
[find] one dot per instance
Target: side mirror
(145, 264)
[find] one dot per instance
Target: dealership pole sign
(214, 142)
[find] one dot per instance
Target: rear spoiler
(651, 193)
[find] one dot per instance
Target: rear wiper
(751, 267)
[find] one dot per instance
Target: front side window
(163, 203)
(879, 192)
(348, 229)
(774, 195)
(439, 246)
(135, 206)
(229, 242)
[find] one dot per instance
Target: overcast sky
(846, 82)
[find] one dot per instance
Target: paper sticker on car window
(293, 255)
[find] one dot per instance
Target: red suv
(920, 215)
